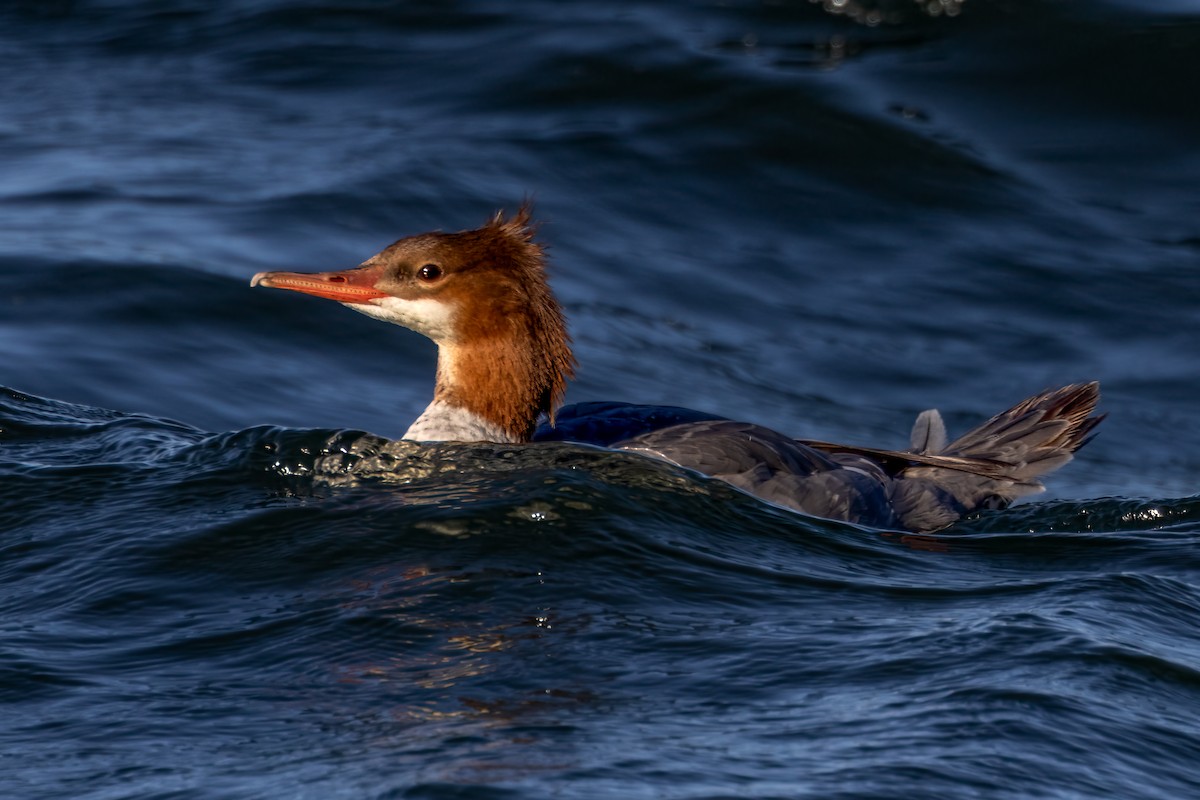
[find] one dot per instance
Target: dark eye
(429, 272)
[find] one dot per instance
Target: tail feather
(1036, 436)
(1029, 440)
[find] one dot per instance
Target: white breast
(442, 422)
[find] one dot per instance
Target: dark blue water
(213, 584)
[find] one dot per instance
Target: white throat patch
(426, 316)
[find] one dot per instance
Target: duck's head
(483, 297)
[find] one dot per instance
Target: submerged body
(504, 358)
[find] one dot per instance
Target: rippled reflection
(889, 13)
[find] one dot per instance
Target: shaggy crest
(520, 357)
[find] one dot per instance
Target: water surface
(215, 584)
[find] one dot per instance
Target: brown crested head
(484, 297)
(509, 356)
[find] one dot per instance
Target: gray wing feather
(928, 433)
(774, 467)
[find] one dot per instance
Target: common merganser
(504, 358)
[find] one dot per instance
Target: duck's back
(751, 457)
(922, 489)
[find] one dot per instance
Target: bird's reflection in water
(469, 681)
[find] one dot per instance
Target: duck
(504, 359)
